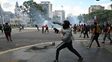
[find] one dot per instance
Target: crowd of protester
(94, 29)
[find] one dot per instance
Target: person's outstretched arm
(58, 23)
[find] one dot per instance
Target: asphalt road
(28, 38)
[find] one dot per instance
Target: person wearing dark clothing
(56, 30)
(74, 28)
(107, 30)
(95, 34)
(46, 29)
(37, 27)
(22, 26)
(7, 31)
(86, 30)
(82, 30)
(67, 41)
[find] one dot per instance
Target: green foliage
(33, 10)
(102, 16)
(38, 7)
(80, 17)
(29, 4)
(83, 18)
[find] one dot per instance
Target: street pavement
(27, 37)
(33, 46)
(47, 54)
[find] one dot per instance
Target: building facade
(47, 6)
(93, 8)
(5, 16)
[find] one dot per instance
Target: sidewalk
(46, 53)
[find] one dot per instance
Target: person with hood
(67, 41)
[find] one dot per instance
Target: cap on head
(6, 23)
(66, 22)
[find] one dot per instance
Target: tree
(102, 16)
(34, 11)
(80, 18)
(83, 18)
(86, 18)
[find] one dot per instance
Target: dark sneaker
(98, 45)
(55, 60)
(80, 59)
(103, 42)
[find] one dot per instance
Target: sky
(71, 7)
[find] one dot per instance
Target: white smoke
(45, 23)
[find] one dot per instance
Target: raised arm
(58, 23)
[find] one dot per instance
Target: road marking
(3, 52)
